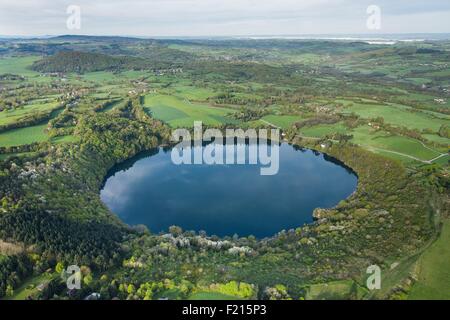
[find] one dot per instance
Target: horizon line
(223, 36)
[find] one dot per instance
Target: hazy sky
(222, 17)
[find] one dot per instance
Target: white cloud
(221, 17)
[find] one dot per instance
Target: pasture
(396, 115)
(193, 93)
(335, 290)
(322, 130)
(178, 112)
(282, 121)
(21, 136)
(23, 112)
(18, 65)
(434, 273)
(396, 145)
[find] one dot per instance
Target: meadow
(24, 112)
(21, 136)
(179, 112)
(395, 115)
(433, 271)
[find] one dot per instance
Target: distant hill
(99, 38)
(81, 62)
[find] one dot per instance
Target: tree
(131, 289)
(87, 279)
(175, 230)
(59, 267)
(9, 291)
(444, 131)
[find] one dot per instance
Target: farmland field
(397, 116)
(434, 276)
(16, 137)
(16, 115)
(180, 112)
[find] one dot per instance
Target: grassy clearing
(370, 139)
(434, 272)
(322, 130)
(64, 139)
(438, 139)
(135, 74)
(182, 113)
(99, 76)
(284, 122)
(396, 115)
(28, 135)
(194, 93)
(17, 137)
(335, 290)
(11, 116)
(111, 105)
(29, 287)
(18, 65)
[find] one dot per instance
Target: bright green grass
(167, 113)
(322, 130)
(284, 122)
(29, 287)
(20, 136)
(405, 145)
(438, 139)
(111, 105)
(18, 65)
(443, 161)
(182, 113)
(115, 89)
(211, 296)
(64, 139)
(134, 74)
(434, 270)
(11, 116)
(380, 140)
(394, 156)
(396, 116)
(334, 290)
(99, 76)
(194, 93)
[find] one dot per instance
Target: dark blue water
(226, 199)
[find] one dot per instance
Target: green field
(375, 141)
(182, 113)
(434, 272)
(396, 115)
(322, 130)
(193, 93)
(18, 114)
(29, 287)
(16, 137)
(18, 65)
(99, 76)
(284, 122)
(344, 289)
(438, 139)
